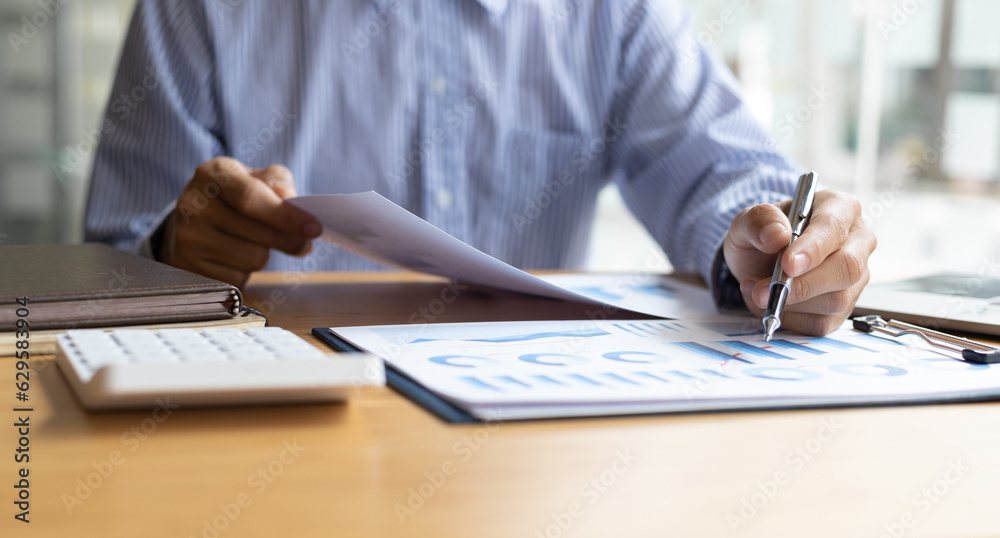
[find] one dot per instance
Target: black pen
(781, 283)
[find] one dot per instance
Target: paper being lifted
(374, 227)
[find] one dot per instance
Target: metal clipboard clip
(970, 350)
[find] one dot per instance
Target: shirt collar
(495, 7)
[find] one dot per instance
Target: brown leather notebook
(94, 285)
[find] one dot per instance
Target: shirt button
(444, 199)
(439, 86)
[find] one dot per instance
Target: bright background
(906, 114)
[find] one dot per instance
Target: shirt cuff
(150, 244)
(725, 288)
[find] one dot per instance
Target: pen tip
(771, 324)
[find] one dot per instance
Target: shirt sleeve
(162, 121)
(691, 154)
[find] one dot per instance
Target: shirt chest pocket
(544, 188)
(539, 169)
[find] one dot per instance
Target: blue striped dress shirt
(498, 121)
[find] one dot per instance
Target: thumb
(279, 178)
(763, 228)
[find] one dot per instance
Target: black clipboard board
(402, 384)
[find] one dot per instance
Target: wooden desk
(862, 472)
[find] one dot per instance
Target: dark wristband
(725, 288)
(156, 240)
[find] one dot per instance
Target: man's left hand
(829, 261)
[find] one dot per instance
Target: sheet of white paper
(372, 226)
(369, 225)
(657, 295)
(570, 368)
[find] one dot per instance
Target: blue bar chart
(577, 367)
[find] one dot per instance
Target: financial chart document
(535, 369)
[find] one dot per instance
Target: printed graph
(524, 365)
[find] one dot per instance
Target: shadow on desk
(297, 300)
(73, 419)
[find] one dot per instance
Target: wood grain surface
(381, 466)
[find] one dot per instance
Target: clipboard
(402, 384)
(450, 413)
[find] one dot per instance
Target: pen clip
(970, 350)
(801, 208)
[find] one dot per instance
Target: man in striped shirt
(497, 121)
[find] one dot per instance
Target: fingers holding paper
(829, 261)
(229, 216)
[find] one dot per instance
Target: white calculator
(133, 368)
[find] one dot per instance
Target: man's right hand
(229, 217)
